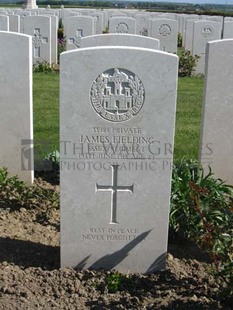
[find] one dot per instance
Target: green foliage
(116, 282)
(61, 47)
(106, 30)
(53, 158)
(187, 62)
(42, 66)
(179, 40)
(15, 193)
(202, 210)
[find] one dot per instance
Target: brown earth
(30, 277)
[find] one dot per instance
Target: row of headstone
(164, 30)
(196, 30)
(102, 163)
(117, 143)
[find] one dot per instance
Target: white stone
(166, 31)
(122, 24)
(186, 31)
(188, 39)
(99, 22)
(54, 28)
(117, 39)
(112, 215)
(142, 24)
(216, 142)
(228, 30)
(203, 32)
(30, 4)
(228, 19)
(4, 23)
(77, 27)
(14, 23)
(39, 27)
(16, 128)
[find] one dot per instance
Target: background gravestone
(121, 24)
(203, 32)
(39, 27)
(4, 23)
(117, 113)
(228, 30)
(77, 27)
(142, 22)
(16, 105)
(14, 23)
(216, 142)
(122, 39)
(166, 31)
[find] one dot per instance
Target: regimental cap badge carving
(207, 31)
(165, 30)
(117, 95)
(122, 28)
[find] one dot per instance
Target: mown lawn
(188, 117)
(46, 112)
(46, 115)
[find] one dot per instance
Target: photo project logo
(86, 154)
(38, 156)
(27, 154)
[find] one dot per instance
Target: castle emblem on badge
(117, 95)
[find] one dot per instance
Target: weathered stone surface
(216, 148)
(16, 136)
(117, 111)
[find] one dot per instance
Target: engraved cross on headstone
(76, 40)
(114, 188)
(37, 41)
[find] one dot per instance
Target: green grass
(46, 112)
(188, 115)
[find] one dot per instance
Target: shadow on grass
(29, 254)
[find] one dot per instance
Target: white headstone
(4, 23)
(228, 30)
(122, 24)
(166, 31)
(16, 151)
(228, 19)
(216, 143)
(39, 27)
(54, 28)
(77, 27)
(203, 32)
(117, 39)
(99, 22)
(117, 130)
(187, 32)
(188, 39)
(142, 24)
(14, 23)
